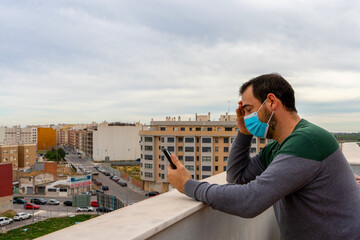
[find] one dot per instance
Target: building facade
(46, 138)
(116, 142)
(6, 190)
(18, 135)
(202, 146)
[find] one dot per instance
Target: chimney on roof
(179, 118)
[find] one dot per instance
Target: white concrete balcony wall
(172, 216)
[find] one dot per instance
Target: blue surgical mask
(254, 126)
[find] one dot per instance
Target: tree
(61, 152)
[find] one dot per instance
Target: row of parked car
(17, 217)
(33, 204)
(112, 177)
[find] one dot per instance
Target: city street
(128, 195)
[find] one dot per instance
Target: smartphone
(168, 156)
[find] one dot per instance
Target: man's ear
(273, 100)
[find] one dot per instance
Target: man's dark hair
(272, 83)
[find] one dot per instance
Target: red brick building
(6, 191)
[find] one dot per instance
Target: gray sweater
(306, 178)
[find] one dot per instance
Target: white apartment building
(116, 141)
(2, 135)
(18, 135)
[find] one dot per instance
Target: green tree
(61, 152)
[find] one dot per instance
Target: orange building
(46, 138)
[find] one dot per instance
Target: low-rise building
(6, 187)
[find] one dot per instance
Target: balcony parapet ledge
(172, 215)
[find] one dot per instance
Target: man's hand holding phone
(179, 176)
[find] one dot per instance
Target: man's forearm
(240, 167)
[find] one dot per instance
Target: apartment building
(202, 146)
(46, 138)
(20, 155)
(2, 135)
(18, 135)
(116, 142)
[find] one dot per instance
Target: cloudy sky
(82, 61)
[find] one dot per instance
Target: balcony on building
(173, 216)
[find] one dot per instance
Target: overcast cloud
(83, 61)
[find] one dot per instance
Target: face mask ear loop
(261, 105)
(270, 117)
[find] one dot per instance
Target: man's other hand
(240, 114)
(178, 177)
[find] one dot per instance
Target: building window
(216, 140)
(162, 128)
(171, 148)
(180, 139)
(205, 176)
(148, 157)
(206, 168)
(197, 158)
(216, 149)
(5, 151)
(197, 167)
(148, 174)
(148, 139)
(262, 140)
(189, 140)
(206, 149)
(170, 139)
(226, 149)
(148, 166)
(180, 158)
(206, 140)
(197, 177)
(182, 129)
(228, 129)
(224, 168)
(206, 158)
(189, 149)
(62, 189)
(148, 148)
(189, 167)
(209, 129)
(180, 149)
(252, 150)
(216, 158)
(162, 176)
(226, 140)
(5, 159)
(253, 140)
(189, 158)
(51, 189)
(216, 168)
(225, 159)
(198, 129)
(197, 149)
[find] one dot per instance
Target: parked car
(85, 209)
(122, 183)
(107, 174)
(111, 177)
(152, 194)
(98, 183)
(105, 188)
(31, 206)
(38, 201)
(20, 201)
(99, 191)
(68, 203)
(94, 203)
(104, 209)
(5, 221)
(93, 192)
(21, 216)
(53, 202)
